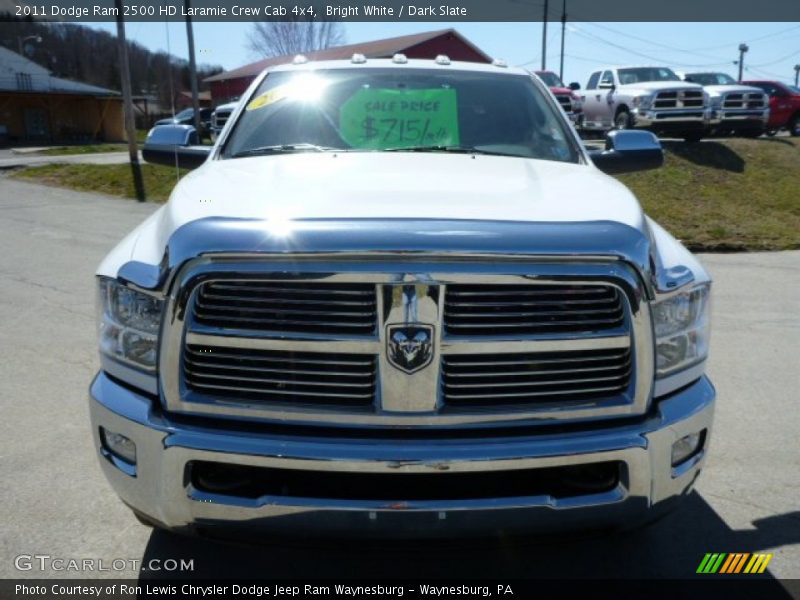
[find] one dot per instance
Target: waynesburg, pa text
(251, 590)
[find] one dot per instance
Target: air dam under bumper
(164, 487)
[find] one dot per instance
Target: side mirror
(174, 144)
(606, 86)
(627, 151)
(574, 86)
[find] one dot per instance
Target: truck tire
(622, 120)
(794, 125)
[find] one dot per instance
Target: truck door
(605, 100)
(591, 102)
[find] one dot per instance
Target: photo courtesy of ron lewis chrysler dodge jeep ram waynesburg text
(400, 298)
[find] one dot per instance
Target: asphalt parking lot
(56, 502)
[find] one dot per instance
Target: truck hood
(659, 86)
(717, 90)
(561, 90)
(384, 186)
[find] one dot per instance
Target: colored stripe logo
(733, 563)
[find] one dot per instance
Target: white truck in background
(651, 98)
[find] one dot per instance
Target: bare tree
(280, 38)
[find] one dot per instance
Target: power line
(594, 37)
(758, 39)
(652, 43)
(774, 62)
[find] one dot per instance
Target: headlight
(643, 101)
(682, 329)
(129, 322)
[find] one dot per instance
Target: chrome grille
(493, 380)
(287, 307)
(679, 99)
(487, 310)
(744, 100)
(565, 101)
(532, 346)
(220, 118)
(275, 376)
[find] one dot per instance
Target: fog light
(687, 447)
(118, 445)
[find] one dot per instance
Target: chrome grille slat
(526, 384)
(289, 300)
(288, 311)
(292, 307)
(278, 382)
(480, 310)
(497, 399)
(542, 313)
(267, 393)
(608, 322)
(248, 374)
(489, 380)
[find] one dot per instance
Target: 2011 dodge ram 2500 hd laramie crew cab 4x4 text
(400, 298)
(651, 98)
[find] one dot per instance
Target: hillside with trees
(78, 52)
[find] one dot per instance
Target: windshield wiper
(440, 148)
(281, 149)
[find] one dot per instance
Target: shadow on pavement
(670, 548)
(707, 154)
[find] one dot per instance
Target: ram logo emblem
(410, 346)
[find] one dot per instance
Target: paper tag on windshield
(269, 97)
(377, 119)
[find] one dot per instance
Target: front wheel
(622, 120)
(794, 125)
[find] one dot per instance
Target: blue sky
(774, 47)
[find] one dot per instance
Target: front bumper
(671, 119)
(160, 488)
(744, 119)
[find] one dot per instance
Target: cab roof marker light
(442, 59)
(399, 59)
(300, 59)
(358, 59)
(499, 62)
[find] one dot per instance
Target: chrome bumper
(741, 117)
(673, 118)
(158, 485)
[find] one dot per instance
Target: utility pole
(796, 74)
(193, 70)
(742, 49)
(127, 104)
(544, 37)
(563, 29)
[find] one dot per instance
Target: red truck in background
(784, 106)
(567, 98)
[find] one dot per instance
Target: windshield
(550, 79)
(392, 109)
(641, 74)
(186, 112)
(711, 78)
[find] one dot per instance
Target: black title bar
(408, 11)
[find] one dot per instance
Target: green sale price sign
(390, 118)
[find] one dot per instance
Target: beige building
(37, 108)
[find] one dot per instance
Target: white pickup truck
(400, 298)
(653, 98)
